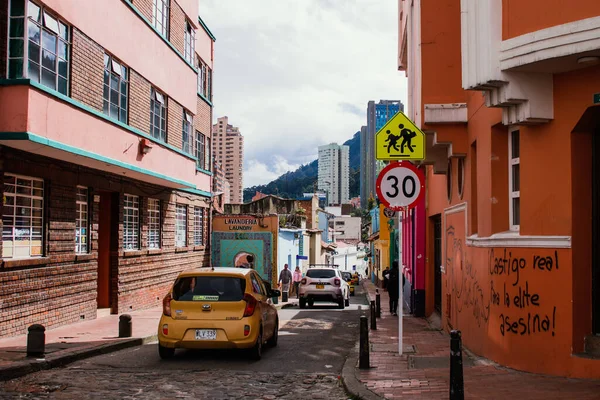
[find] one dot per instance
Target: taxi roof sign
(400, 139)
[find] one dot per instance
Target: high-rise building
(334, 173)
(228, 149)
(378, 114)
(104, 155)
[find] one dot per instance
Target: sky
(297, 74)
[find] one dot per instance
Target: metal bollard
(457, 388)
(125, 325)
(36, 340)
(284, 297)
(363, 360)
(373, 317)
(377, 304)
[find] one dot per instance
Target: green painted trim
(196, 191)
(75, 103)
(80, 152)
(204, 171)
(214, 39)
(207, 101)
(139, 14)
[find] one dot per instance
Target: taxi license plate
(320, 286)
(206, 334)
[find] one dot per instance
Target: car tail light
(303, 281)
(250, 305)
(246, 330)
(167, 305)
(166, 330)
(336, 282)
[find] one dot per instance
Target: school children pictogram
(400, 139)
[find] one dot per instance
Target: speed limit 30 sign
(400, 185)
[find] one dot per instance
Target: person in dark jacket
(392, 288)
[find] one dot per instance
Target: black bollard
(363, 362)
(125, 325)
(373, 318)
(457, 388)
(377, 304)
(36, 340)
(284, 296)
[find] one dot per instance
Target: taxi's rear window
(320, 273)
(209, 288)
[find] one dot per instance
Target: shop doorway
(437, 262)
(107, 246)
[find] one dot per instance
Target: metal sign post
(401, 287)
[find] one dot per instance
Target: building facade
(228, 148)
(104, 155)
(509, 231)
(334, 173)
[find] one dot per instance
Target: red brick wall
(87, 76)
(177, 26)
(61, 287)
(174, 123)
(145, 7)
(203, 117)
(140, 91)
(3, 37)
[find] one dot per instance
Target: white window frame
(512, 194)
(154, 241)
(189, 42)
(131, 228)
(114, 68)
(157, 99)
(181, 225)
(82, 205)
(199, 214)
(187, 132)
(161, 24)
(9, 231)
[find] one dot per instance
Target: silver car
(326, 285)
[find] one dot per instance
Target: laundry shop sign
(241, 224)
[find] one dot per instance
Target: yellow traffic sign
(400, 139)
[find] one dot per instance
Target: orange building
(507, 97)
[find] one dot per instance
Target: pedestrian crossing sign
(400, 139)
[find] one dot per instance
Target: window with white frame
(153, 224)
(189, 42)
(160, 17)
(39, 44)
(81, 223)
(198, 226)
(204, 80)
(131, 222)
(514, 179)
(115, 89)
(186, 135)
(22, 216)
(203, 151)
(180, 225)
(158, 115)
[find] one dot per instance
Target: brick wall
(203, 117)
(174, 123)
(3, 37)
(140, 91)
(145, 7)
(177, 26)
(87, 73)
(61, 287)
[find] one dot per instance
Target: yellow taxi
(218, 308)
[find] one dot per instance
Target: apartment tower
(228, 147)
(334, 173)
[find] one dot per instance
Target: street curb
(23, 368)
(353, 386)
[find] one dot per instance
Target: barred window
(131, 222)
(153, 224)
(204, 80)
(180, 225)
(186, 135)
(22, 216)
(38, 46)
(198, 226)
(189, 42)
(160, 17)
(203, 151)
(115, 89)
(81, 224)
(514, 179)
(158, 115)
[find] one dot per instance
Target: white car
(326, 285)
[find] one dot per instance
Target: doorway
(437, 263)
(596, 232)
(107, 244)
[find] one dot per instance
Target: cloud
(293, 75)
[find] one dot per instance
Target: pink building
(105, 155)
(228, 146)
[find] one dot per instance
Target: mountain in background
(304, 180)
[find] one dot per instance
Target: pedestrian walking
(386, 277)
(393, 292)
(285, 278)
(297, 277)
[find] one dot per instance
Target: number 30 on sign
(400, 185)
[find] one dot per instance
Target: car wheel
(347, 302)
(165, 352)
(272, 342)
(302, 303)
(256, 350)
(341, 303)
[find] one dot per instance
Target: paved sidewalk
(73, 342)
(423, 371)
